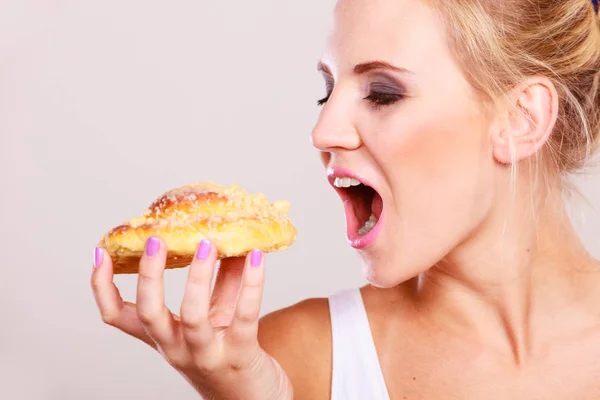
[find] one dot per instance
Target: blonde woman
(451, 126)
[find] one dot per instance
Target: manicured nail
(203, 250)
(98, 255)
(256, 258)
(152, 246)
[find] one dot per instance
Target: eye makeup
(380, 89)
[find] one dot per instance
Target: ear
(532, 112)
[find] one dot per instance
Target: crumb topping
(211, 203)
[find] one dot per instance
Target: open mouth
(364, 206)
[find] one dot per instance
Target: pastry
(234, 220)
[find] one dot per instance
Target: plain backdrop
(105, 104)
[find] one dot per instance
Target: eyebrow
(366, 67)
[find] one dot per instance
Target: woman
(463, 117)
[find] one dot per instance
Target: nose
(335, 130)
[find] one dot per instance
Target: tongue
(377, 205)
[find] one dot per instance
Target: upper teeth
(345, 182)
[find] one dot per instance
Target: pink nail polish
(256, 258)
(152, 246)
(203, 250)
(98, 255)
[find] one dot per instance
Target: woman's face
(400, 116)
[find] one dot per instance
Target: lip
(354, 239)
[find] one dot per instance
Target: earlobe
(531, 117)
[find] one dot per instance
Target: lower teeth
(370, 224)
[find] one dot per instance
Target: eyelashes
(322, 101)
(383, 99)
(375, 98)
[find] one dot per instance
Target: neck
(512, 279)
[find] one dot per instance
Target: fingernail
(203, 250)
(256, 258)
(152, 246)
(98, 254)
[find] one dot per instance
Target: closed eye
(383, 99)
(377, 99)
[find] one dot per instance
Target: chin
(386, 271)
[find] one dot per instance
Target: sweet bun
(234, 220)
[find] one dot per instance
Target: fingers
(226, 290)
(114, 311)
(151, 309)
(196, 326)
(244, 325)
(236, 299)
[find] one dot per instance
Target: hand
(213, 344)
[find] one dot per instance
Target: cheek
(433, 150)
(437, 163)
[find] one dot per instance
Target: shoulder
(299, 338)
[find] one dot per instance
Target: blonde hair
(500, 43)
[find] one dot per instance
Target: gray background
(105, 104)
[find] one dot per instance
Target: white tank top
(356, 373)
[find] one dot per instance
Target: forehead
(407, 33)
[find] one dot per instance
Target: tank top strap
(356, 372)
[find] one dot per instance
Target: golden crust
(234, 220)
